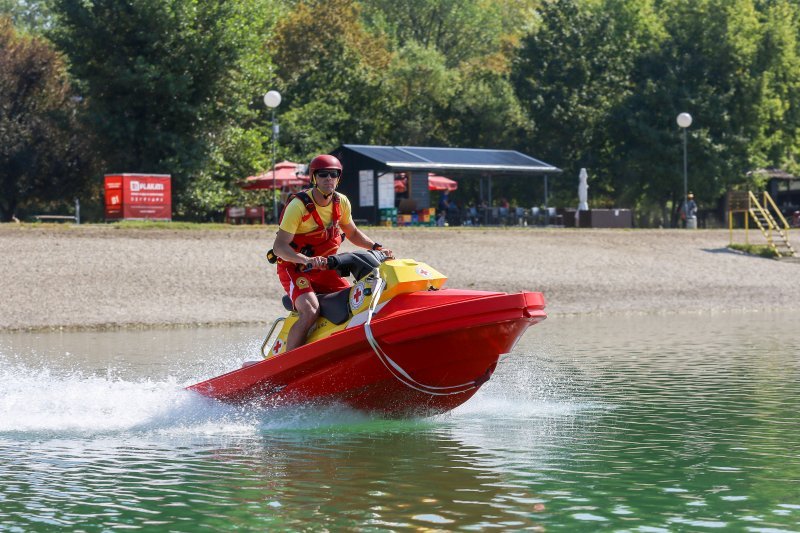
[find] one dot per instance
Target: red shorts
(320, 281)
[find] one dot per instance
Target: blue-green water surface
(668, 423)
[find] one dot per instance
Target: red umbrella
(440, 183)
(286, 175)
(435, 183)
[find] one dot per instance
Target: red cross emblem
(423, 272)
(357, 294)
(277, 347)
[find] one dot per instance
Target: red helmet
(323, 162)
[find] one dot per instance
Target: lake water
(659, 423)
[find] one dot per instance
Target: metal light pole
(684, 121)
(272, 100)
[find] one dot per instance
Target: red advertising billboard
(138, 197)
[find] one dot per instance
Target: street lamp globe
(273, 99)
(684, 121)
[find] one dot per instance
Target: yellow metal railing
(762, 213)
(738, 202)
(768, 201)
(767, 223)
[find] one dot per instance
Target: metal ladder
(777, 234)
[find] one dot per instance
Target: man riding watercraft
(312, 227)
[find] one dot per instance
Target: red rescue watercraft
(395, 343)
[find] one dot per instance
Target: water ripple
(636, 424)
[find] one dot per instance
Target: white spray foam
(39, 400)
(45, 402)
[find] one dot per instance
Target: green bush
(761, 250)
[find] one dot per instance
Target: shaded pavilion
(370, 171)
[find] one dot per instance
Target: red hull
(439, 338)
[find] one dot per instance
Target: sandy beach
(97, 276)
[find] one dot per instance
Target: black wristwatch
(377, 245)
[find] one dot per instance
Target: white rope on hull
(395, 369)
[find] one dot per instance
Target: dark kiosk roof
(453, 159)
(774, 173)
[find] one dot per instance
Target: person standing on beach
(443, 208)
(312, 227)
(689, 213)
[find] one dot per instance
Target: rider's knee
(309, 315)
(307, 308)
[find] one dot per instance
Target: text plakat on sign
(138, 197)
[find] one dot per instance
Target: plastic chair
(535, 214)
(519, 215)
(553, 218)
(503, 211)
(473, 216)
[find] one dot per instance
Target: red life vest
(321, 241)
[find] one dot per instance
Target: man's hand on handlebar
(388, 253)
(318, 262)
(378, 247)
(328, 263)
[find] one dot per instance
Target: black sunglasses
(327, 174)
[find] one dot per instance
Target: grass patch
(761, 250)
(153, 224)
(141, 225)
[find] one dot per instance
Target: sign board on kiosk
(138, 196)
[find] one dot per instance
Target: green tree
(43, 150)
(27, 15)
(713, 66)
(239, 147)
(449, 76)
(331, 72)
(460, 30)
(571, 74)
(421, 87)
(350, 76)
(159, 77)
(777, 125)
(471, 105)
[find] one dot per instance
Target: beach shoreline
(67, 277)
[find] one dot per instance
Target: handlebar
(308, 266)
(350, 262)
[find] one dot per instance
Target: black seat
(333, 306)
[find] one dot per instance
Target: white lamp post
(272, 100)
(684, 121)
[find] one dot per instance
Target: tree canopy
(43, 149)
(160, 78)
(176, 86)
